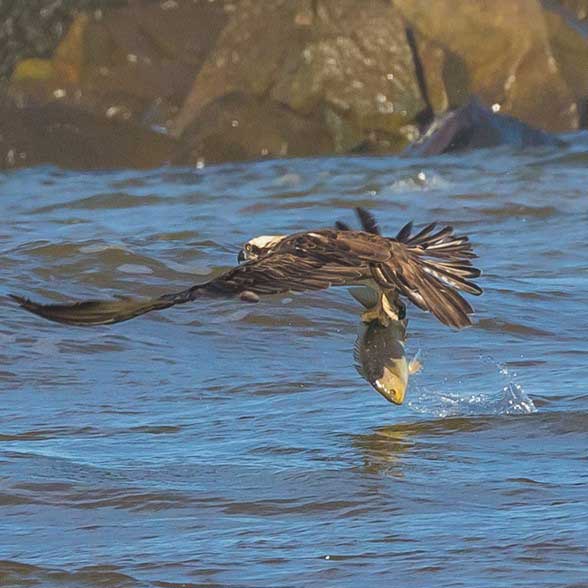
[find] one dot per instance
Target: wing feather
(428, 268)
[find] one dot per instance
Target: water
(228, 444)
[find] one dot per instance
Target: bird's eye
(248, 248)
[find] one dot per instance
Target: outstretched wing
(308, 261)
(428, 268)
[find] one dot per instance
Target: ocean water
(231, 444)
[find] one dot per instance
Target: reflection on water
(223, 445)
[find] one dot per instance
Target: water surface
(228, 444)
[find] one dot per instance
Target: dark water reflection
(235, 445)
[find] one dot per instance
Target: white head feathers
(265, 241)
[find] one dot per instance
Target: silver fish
(379, 352)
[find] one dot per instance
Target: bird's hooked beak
(241, 256)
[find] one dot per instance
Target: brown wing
(429, 268)
(285, 272)
(305, 261)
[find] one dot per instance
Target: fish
(379, 351)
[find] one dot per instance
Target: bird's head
(259, 247)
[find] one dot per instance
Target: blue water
(229, 444)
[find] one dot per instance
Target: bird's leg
(379, 312)
(374, 314)
(388, 308)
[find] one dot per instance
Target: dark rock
(136, 63)
(506, 53)
(474, 126)
(70, 138)
(578, 8)
(34, 28)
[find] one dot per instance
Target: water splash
(510, 399)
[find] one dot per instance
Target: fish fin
(415, 365)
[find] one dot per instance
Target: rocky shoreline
(142, 83)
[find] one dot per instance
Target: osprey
(428, 268)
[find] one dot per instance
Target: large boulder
(240, 127)
(348, 68)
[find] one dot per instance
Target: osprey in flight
(428, 268)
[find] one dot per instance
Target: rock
(239, 127)
(134, 63)
(474, 126)
(578, 8)
(507, 57)
(63, 136)
(34, 28)
(569, 44)
(244, 79)
(352, 70)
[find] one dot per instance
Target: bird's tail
(438, 265)
(104, 312)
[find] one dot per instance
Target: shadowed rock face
(578, 8)
(240, 127)
(474, 126)
(507, 54)
(71, 138)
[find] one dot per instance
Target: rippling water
(227, 444)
